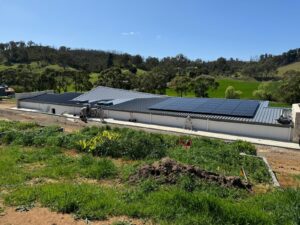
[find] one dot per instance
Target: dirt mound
(168, 170)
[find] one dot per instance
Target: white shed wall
(47, 108)
(117, 115)
(242, 129)
(168, 121)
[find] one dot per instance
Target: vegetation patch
(293, 66)
(35, 169)
(245, 86)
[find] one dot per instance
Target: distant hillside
(36, 67)
(264, 68)
(293, 66)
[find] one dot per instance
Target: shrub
(25, 138)
(139, 145)
(55, 140)
(245, 147)
(222, 158)
(231, 93)
(105, 143)
(8, 137)
(125, 143)
(149, 185)
(86, 160)
(188, 183)
(36, 136)
(102, 168)
(16, 126)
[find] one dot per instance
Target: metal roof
(104, 93)
(264, 115)
(60, 99)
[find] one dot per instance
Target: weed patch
(30, 156)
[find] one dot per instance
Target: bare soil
(43, 216)
(284, 162)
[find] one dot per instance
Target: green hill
(36, 66)
(247, 87)
(293, 66)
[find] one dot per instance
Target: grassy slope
(37, 67)
(247, 87)
(293, 66)
(97, 187)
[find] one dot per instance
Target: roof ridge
(121, 93)
(124, 90)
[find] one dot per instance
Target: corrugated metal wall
(47, 108)
(242, 129)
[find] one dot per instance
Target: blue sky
(196, 28)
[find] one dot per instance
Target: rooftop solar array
(225, 107)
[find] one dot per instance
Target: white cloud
(131, 33)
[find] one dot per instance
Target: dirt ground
(284, 162)
(43, 216)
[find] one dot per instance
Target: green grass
(293, 66)
(19, 165)
(247, 87)
(171, 92)
(223, 159)
(279, 104)
(165, 205)
(36, 67)
(75, 183)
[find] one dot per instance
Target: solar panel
(225, 107)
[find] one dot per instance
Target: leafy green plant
(222, 158)
(245, 147)
(102, 168)
(125, 143)
(149, 185)
(188, 183)
(95, 144)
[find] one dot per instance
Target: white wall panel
(242, 129)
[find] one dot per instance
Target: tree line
(122, 70)
(24, 78)
(285, 90)
(262, 68)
